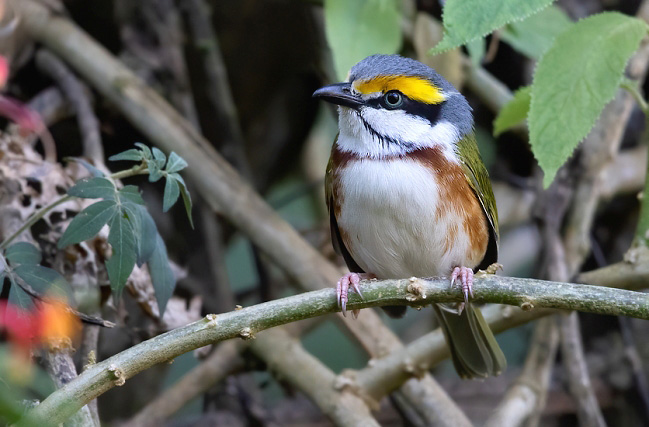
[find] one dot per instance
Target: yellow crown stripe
(415, 88)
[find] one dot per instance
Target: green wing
(478, 177)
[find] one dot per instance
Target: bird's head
(391, 105)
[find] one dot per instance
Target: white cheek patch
(379, 133)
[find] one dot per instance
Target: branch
(528, 293)
(527, 394)
(572, 353)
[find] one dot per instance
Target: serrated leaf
(159, 157)
(514, 112)
(93, 188)
(466, 20)
(121, 263)
(175, 163)
(44, 280)
(88, 222)
(162, 276)
(359, 28)
(89, 167)
(132, 154)
(171, 193)
(146, 151)
(147, 238)
(23, 253)
(18, 297)
(573, 82)
(187, 200)
(131, 193)
(534, 36)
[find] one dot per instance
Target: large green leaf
(93, 188)
(573, 82)
(131, 193)
(466, 20)
(162, 276)
(359, 28)
(146, 243)
(88, 222)
(23, 253)
(122, 239)
(514, 112)
(44, 280)
(534, 35)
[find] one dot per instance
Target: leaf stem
(632, 87)
(135, 170)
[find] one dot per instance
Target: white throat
(379, 133)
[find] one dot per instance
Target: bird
(409, 195)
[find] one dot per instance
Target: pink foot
(342, 290)
(466, 283)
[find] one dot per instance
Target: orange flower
(58, 326)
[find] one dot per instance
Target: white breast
(390, 220)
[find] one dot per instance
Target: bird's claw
(342, 291)
(465, 275)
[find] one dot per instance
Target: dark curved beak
(339, 94)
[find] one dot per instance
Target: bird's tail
(474, 349)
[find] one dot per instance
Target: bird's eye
(393, 99)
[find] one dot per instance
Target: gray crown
(455, 109)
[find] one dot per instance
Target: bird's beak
(339, 94)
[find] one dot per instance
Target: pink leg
(466, 283)
(342, 289)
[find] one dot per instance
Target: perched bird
(408, 194)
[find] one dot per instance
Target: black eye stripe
(429, 112)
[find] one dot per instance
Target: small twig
(572, 354)
(77, 96)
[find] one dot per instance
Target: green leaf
(93, 188)
(93, 170)
(175, 163)
(359, 28)
(476, 49)
(18, 297)
(88, 222)
(155, 171)
(534, 36)
(131, 193)
(187, 200)
(132, 154)
(146, 151)
(44, 280)
(159, 157)
(573, 82)
(146, 241)
(121, 263)
(162, 276)
(514, 112)
(466, 20)
(23, 253)
(172, 191)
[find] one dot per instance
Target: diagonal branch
(527, 293)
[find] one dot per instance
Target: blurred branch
(527, 394)
(223, 361)
(75, 93)
(572, 352)
(244, 323)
